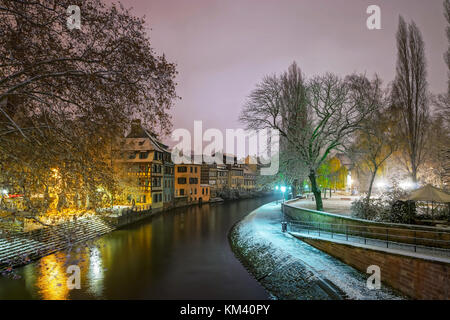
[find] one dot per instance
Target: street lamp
(283, 189)
(407, 185)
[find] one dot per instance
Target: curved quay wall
(415, 275)
(394, 232)
(291, 269)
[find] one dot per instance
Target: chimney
(136, 127)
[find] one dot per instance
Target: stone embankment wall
(291, 269)
(419, 277)
(411, 234)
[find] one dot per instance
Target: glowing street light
(406, 185)
(381, 184)
(349, 180)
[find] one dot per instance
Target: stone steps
(16, 248)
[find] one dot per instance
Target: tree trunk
(315, 190)
(414, 173)
(294, 189)
(372, 179)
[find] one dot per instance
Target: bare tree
(437, 162)
(410, 95)
(375, 142)
(314, 118)
(447, 31)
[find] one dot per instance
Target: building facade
(249, 179)
(187, 182)
(144, 159)
(168, 180)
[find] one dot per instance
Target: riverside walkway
(292, 269)
(412, 259)
(428, 241)
(306, 229)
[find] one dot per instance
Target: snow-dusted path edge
(291, 269)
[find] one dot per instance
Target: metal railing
(420, 241)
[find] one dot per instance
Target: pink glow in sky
(224, 47)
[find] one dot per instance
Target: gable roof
(138, 132)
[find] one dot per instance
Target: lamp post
(283, 190)
(283, 223)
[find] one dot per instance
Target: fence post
(346, 233)
(415, 241)
(387, 238)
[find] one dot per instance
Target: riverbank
(21, 248)
(181, 254)
(291, 269)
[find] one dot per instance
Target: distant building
(222, 177)
(235, 176)
(205, 193)
(250, 177)
(168, 180)
(204, 174)
(187, 182)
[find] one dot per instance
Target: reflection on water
(179, 254)
(96, 272)
(52, 278)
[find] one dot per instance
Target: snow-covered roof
(138, 132)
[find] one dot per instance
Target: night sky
(224, 47)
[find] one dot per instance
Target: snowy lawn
(334, 205)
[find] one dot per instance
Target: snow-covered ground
(291, 269)
(335, 205)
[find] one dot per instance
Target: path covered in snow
(292, 269)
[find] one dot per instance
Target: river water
(181, 254)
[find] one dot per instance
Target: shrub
(388, 208)
(402, 212)
(373, 210)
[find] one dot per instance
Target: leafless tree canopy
(447, 31)
(313, 117)
(375, 141)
